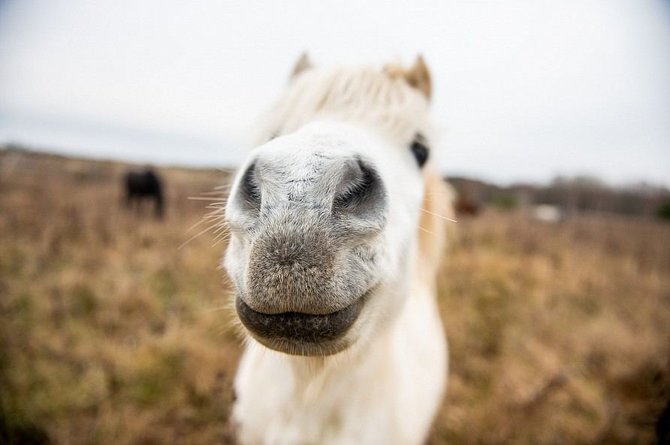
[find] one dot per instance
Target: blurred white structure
(547, 213)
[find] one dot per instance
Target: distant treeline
(571, 194)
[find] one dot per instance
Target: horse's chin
(297, 333)
(303, 348)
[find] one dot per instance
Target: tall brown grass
(110, 334)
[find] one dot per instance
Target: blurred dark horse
(145, 185)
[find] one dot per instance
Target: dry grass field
(110, 334)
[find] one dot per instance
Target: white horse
(337, 225)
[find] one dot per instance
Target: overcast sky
(524, 90)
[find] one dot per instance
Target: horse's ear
(418, 76)
(302, 64)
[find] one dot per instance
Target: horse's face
(323, 225)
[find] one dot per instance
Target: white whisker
(439, 216)
(425, 230)
(202, 220)
(215, 192)
(202, 232)
(205, 198)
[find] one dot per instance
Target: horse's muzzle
(296, 332)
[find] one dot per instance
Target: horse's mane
(382, 98)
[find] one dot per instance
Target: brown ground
(109, 334)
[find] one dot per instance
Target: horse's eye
(420, 151)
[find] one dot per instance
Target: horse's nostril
(250, 190)
(362, 185)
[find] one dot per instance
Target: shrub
(663, 211)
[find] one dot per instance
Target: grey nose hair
(308, 236)
(350, 187)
